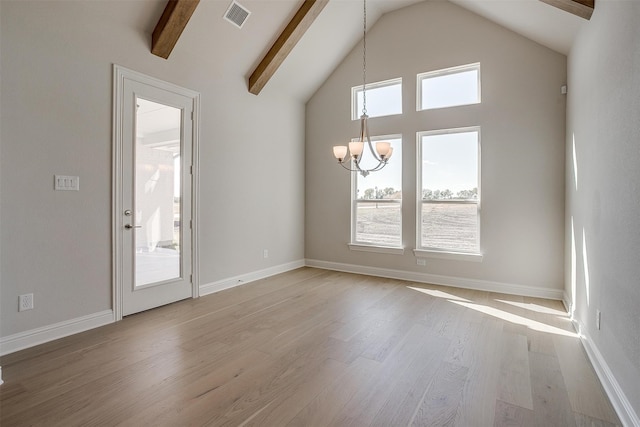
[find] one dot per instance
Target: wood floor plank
(288, 404)
(551, 405)
(409, 389)
(587, 421)
(398, 367)
(463, 341)
(326, 405)
(508, 415)
(514, 386)
(480, 391)
(586, 395)
(313, 347)
(443, 398)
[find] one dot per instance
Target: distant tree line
(381, 193)
(427, 194)
(447, 194)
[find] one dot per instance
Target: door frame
(120, 75)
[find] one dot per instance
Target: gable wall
(522, 119)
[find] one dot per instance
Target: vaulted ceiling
(335, 31)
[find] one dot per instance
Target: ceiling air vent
(236, 14)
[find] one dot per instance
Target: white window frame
(367, 246)
(432, 252)
(446, 72)
(355, 113)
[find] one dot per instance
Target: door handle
(129, 226)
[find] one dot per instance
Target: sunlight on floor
(531, 324)
(534, 307)
(438, 294)
(504, 315)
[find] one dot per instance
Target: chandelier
(355, 150)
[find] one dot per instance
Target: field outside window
(377, 200)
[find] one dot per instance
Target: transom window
(383, 99)
(449, 87)
(449, 190)
(377, 200)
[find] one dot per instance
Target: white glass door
(156, 197)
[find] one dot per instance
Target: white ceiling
(333, 35)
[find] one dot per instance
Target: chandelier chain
(352, 154)
(364, 58)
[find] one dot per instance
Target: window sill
(377, 249)
(457, 256)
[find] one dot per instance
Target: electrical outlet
(598, 319)
(25, 302)
(265, 253)
(421, 261)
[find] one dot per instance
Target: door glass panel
(157, 193)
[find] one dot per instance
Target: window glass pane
(378, 223)
(443, 89)
(450, 166)
(449, 173)
(385, 183)
(451, 226)
(383, 99)
(157, 192)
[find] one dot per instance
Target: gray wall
(602, 233)
(57, 115)
(522, 116)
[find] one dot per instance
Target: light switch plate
(66, 183)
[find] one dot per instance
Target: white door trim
(120, 74)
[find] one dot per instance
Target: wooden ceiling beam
(173, 21)
(289, 37)
(581, 8)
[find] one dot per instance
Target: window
(383, 99)
(449, 87)
(377, 200)
(449, 190)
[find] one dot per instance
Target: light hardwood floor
(315, 348)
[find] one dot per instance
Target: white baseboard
(243, 279)
(456, 282)
(567, 302)
(22, 340)
(618, 399)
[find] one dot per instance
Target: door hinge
(191, 115)
(190, 170)
(191, 278)
(190, 223)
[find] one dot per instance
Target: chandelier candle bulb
(340, 152)
(383, 148)
(356, 148)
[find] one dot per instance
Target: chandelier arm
(352, 170)
(381, 165)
